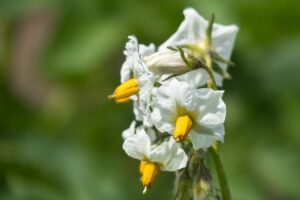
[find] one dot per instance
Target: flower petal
(134, 54)
(130, 131)
(152, 134)
(207, 137)
(138, 146)
(191, 30)
(173, 99)
(164, 110)
(142, 106)
(146, 50)
(212, 108)
(223, 38)
(194, 78)
(169, 155)
(161, 124)
(131, 52)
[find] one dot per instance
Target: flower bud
(166, 62)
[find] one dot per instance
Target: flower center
(183, 127)
(199, 49)
(123, 92)
(149, 171)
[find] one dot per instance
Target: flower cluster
(176, 103)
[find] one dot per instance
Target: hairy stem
(215, 149)
(183, 186)
(226, 195)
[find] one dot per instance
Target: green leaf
(84, 49)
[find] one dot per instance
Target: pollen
(149, 173)
(183, 127)
(124, 91)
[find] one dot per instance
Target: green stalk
(226, 195)
(225, 191)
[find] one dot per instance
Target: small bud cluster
(178, 108)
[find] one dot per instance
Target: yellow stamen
(183, 127)
(125, 90)
(150, 172)
(142, 166)
(124, 100)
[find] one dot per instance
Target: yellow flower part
(150, 172)
(183, 127)
(142, 166)
(124, 100)
(124, 91)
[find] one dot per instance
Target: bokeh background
(60, 136)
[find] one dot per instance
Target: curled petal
(207, 137)
(138, 146)
(130, 131)
(169, 155)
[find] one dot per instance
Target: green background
(60, 137)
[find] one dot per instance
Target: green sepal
(157, 84)
(198, 63)
(210, 28)
(216, 68)
(182, 55)
(185, 60)
(172, 48)
(171, 76)
(217, 57)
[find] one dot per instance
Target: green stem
(215, 150)
(226, 195)
(183, 186)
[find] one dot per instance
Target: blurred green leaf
(85, 48)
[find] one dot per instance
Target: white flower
(196, 113)
(192, 32)
(136, 79)
(132, 130)
(168, 156)
(129, 131)
(134, 53)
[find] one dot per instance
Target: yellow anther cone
(124, 100)
(183, 127)
(142, 166)
(124, 91)
(150, 172)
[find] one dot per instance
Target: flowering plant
(178, 120)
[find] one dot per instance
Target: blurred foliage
(60, 136)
